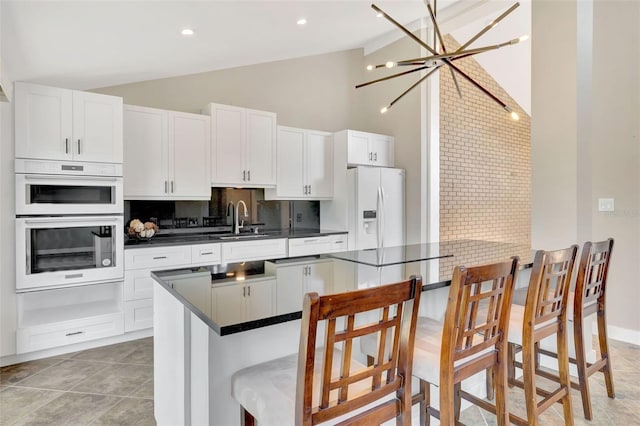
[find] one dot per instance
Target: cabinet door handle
(172, 187)
(165, 186)
(206, 253)
(338, 242)
(370, 156)
(249, 291)
(249, 175)
(244, 292)
(309, 189)
(244, 175)
(74, 333)
(66, 145)
(159, 257)
(375, 157)
(78, 146)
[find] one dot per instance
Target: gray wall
(586, 139)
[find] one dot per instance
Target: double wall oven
(69, 224)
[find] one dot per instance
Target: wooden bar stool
(325, 384)
(472, 339)
(589, 299)
(543, 315)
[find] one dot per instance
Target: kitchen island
(212, 321)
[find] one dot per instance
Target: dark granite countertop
(176, 238)
(195, 287)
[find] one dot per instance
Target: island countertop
(217, 293)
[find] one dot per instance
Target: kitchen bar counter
(191, 237)
(207, 328)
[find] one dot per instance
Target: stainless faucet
(236, 224)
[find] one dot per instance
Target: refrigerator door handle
(379, 242)
(382, 218)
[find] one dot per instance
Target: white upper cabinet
(304, 165)
(62, 124)
(367, 149)
(166, 154)
(243, 146)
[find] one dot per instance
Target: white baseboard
(14, 359)
(622, 334)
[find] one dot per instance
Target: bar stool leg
(500, 379)
(604, 352)
(529, 381)
(563, 370)
(581, 364)
(490, 384)
(425, 401)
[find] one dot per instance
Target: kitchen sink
(242, 236)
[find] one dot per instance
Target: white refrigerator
(375, 205)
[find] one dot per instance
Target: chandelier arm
(478, 85)
(442, 45)
(389, 77)
(423, 78)
(404, 30)
(488, 27)
(458, 54)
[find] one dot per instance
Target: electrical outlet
(606, 205)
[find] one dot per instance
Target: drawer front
(138, 315)
(205, 254)
(308, 246)
(338, 243)
(68, 332)
(254, 250)
(138, 284)
(157, 257)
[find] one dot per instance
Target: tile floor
(113, 385)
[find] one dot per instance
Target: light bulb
(369, 67)
(390, 64)
(187, 32)
(515, 116)
(383, 110)
(301, 21)
(523, 38)
(379, 15)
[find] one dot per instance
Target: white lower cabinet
(241, 301)
(294, 280)
(52, 318)
(138, 314)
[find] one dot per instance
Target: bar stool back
(326, 384)
(543, 315)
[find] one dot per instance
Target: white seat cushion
(268, 390)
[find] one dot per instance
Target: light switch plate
(605, 204)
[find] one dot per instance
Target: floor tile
(70, 409)
(144, 391)
(15, 373)
(129, 411)
(63, 376)
(16, 402)
(111, 353)
(116, 379)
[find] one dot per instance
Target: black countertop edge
(195, 238)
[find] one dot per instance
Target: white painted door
(393, 213)
(228, 135)
(260, 299)
(189, 145)
(146, 163)
(43, 122)
(319, 164)
(260, 150)
(290, 164)
(97, 128)
(358, 152)
(382, 149)
(228, 303)
(319, 277)
(289, 289)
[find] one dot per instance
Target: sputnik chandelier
(436, 59)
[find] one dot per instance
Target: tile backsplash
(219, 212)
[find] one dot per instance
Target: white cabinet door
(319, 164)
(358, 151)
(43, 122)
(189, 145)
(319, 278)
(227, 303)
(97, 128)
(146, 149)
(289, 288)
(260, 299)
(138, 284)
(228, 135)
(260, 149)
(138, 314)
(382, 149)
(290, 164)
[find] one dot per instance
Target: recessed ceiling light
(187, 32)
(302, 21)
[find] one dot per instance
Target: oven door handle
(101, 220)
(71, 177)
